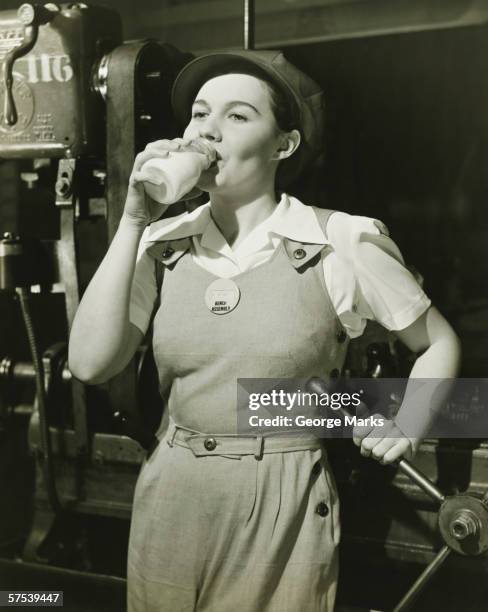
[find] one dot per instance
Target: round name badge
(222, 296)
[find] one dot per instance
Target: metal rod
(249, 24)
(419, 585)
(24, 371)
(42, 402)
(421, 480)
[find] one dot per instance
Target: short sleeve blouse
(364, 273)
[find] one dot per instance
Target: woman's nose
(209, 130)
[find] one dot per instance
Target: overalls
(236, 524)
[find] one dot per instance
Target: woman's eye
(197, 115)
(238, 118)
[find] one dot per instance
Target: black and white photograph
(244, 305)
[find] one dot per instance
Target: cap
(304, 95)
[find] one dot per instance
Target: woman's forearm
(100, 327)
(430, 383)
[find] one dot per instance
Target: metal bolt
(63, 187)
(464, 524)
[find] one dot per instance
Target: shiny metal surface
(463, 523)
(409, 599)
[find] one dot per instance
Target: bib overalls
(225, 523)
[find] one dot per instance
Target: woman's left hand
(385, 443)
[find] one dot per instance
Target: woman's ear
(288, 144)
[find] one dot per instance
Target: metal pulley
(463, 524)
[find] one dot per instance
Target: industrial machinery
(76, 104)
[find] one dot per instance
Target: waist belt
(202, 444)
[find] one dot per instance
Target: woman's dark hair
(281, 108)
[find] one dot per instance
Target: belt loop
(170, 440)
(259, 447)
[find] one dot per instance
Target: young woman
(223, 521)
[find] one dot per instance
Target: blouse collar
(291, 219)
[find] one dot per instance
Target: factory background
(406, 142)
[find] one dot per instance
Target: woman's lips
(214, 164)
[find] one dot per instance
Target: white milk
(170, 178)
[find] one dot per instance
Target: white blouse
(364, 274)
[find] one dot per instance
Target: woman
(222, 521)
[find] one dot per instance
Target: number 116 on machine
(31, 598)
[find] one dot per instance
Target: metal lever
(319, 386)
(31, 16)
(421, 480)
(423, 579)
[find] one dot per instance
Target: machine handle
(319, 386)
(31, 16)
(422, 580)
(421, 480)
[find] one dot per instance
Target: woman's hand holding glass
(139, 207)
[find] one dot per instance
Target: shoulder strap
(169, 251)
(165, 253)
(158, 274)
(301, 254)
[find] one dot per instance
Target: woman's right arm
(102, 339)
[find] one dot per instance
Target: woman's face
(233, 113)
